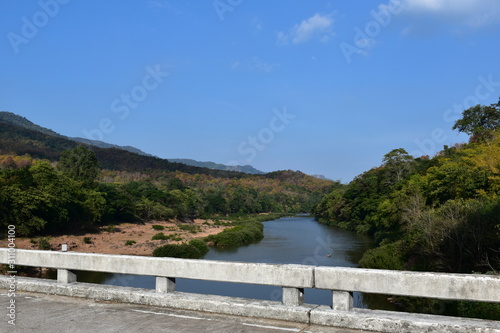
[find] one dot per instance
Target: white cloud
(473, 13)
(317, 26)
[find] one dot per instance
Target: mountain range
(22, 122)
(20, 135)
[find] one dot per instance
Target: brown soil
(113, 242)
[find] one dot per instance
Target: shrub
(200, 245)
(479, 310)
(388, 256)
(44, 244)
(87, 240)
(159, 236)
(243, 234)
(158, 227)
(187, 251)
(130, 242)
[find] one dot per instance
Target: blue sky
(325, 87)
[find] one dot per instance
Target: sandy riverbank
(110, 241)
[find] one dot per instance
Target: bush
(200, 245)
(160, 236)
(243, 234)
(158, 227)
(87, 240)
(479, 310)
(186, 251)
(130, 242)
(44, 244)
(387, 256)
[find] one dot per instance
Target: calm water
(291, 240)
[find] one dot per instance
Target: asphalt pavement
(48, 313)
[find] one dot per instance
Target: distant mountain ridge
(20, 140)
(49, 144)
(212, 165)
(22, 122)
(322, 177)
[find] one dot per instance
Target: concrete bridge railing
(292, 278)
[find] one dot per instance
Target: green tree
(179, 202)
(176, 184)
(479, 122)
(397, 164)
(79, 164)
(148, 210)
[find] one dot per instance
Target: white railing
(292, 278)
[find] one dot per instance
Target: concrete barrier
(298, 276)
(403, 283)
(292, 278)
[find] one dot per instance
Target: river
(289, 240)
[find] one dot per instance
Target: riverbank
(128, 238)
(137, 238)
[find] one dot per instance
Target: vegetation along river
(289, 240)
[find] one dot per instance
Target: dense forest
(430, 214)
(49, 184)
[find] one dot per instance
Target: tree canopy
(479, 121)
(80, 164)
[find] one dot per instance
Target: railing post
(293, 296)
(165, 284)
(342, 300)
(65, 276)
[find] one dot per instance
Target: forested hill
(431, 214)
(19, 136)
(438, 214)
(14, 119)
(21, 140)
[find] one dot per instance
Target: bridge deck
(48, 313)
